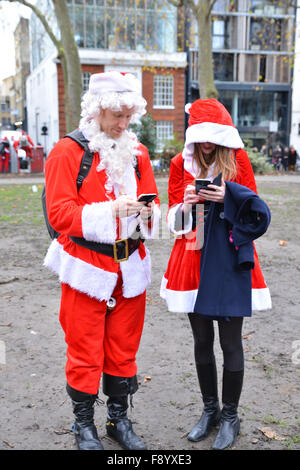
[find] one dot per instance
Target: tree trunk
(207, 87)
(70, 64)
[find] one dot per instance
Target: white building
(295, 115)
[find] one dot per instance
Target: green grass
(20, 205)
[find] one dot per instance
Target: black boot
(207, 375)
(118, 425)
(84, 428)
(229, 423)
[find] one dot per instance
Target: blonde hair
(222, 157)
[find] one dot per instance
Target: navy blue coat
(227, 255)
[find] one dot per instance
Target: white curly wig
(112, 90)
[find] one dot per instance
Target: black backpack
(84, 169)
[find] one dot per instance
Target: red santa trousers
(100, 340)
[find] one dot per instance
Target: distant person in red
(25, 143)
(4, 155)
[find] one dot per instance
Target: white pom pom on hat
(115, 82)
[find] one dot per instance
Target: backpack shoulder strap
(136, 168)
(87, 158)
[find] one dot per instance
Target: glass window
(221, 5)
(79, 26)
(125, 24)
(164, 132)
(100, 32)
(163, 91)
(269, 7)
(85, 80)
(223, 66)
(89, 26)
(265, 34)
(257, 108)
(220, 36)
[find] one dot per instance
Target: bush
(171, 148)
(146, 134)
(258, 161)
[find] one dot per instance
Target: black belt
(120, 250)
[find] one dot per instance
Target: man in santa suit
(4, 155)
(25, 143)
(100, 256)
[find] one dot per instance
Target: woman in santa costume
(213, 272)
(99, 255)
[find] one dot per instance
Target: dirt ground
(35, 410)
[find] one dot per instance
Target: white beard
(116, 155)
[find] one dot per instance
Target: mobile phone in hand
(202, 184)
(147, 198)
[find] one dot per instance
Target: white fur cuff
(150, 232)
(98, 223)
(172, 218)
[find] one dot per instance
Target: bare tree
(67, 53)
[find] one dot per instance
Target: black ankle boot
(118, 425)
(207, 375)
(230, 422)
(84, 428)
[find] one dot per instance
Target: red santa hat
(112, 81)
(209, 121)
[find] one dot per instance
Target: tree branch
(210, 7)
(177, 3)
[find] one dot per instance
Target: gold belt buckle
(115, 251)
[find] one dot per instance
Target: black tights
(230, 333)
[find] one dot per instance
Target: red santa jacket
(179, 286)
(88, 214)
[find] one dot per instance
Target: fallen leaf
(9, 444)
(147, 379)
(270, 434)
(282, 243)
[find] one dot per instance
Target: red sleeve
(176, 185)
(147, 184)
(61, 170)
(245, 174)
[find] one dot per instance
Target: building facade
(22, 60)
(252, 42)
(295, 114)
(138, 36)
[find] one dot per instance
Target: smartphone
(147, 198)
(202, 184)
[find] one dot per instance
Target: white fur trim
(136, 273)
(97, 282)
(184, 301)
(98, 223)
(112, 81)
(171, 221)
(178, 301)
(261, 299)
(78, 274)
(147, 232)
(220, 134)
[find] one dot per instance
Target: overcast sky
(9, 17)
